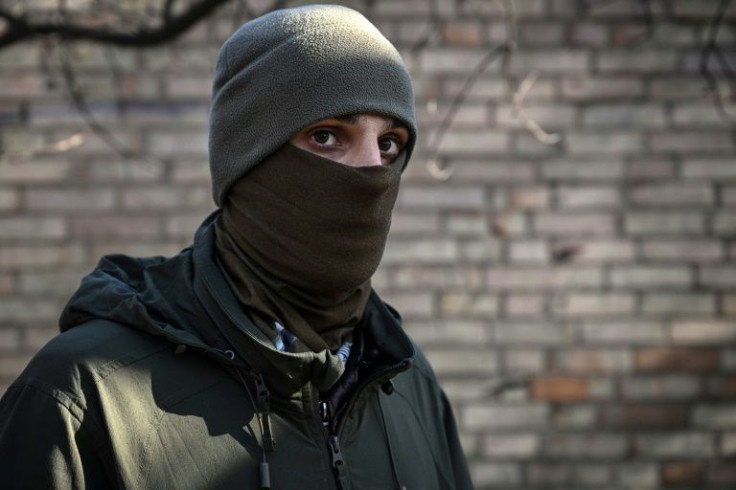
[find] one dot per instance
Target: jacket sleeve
(45, 441)
(457, 456)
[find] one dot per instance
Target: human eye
(390, 146)
(324, 137)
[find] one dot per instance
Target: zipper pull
(338, 463)
(324, 413)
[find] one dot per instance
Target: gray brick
(549, 474)
(604, 143)
(473, 142)
(541, 34)
(661, 387)
(671, 34)
(700, 114)
(496, 474)
(624, 115)
(34, 172)
(453, 61)
(548, 116)
(675, 445)
(510, 446)
(651, 276)
(32, 228)
(683, 250)
(583, 170)
(480, 251)
(493, 416)
(588, 197)
(589, 34)
(678, 303)
(593, 361)
(682, 141)
(535, 279)
(677, 88)
(28, 257)
(664, 223)
(454, 332)
(630, 332)
(462, 362)
(650, 169)
(529, 252)
(672, 195)
(567, 224)
(441, 197)
(592, 474)
(529, 333)
(722, 276)
(728, 195)
(19, 309)
(413, 305)
(593, 304)
(95, 200)
(597, 251)
(550, 61)
(487, 87)
(639, 60)
(492, 171)
(61, 283)
(414, 223)
(524, 197)
(507, 224)
(703, 332)
(423, 251)
(9, 200)
(120, 171)
(116, 227)
(711, 169)
(569, 416)
(525, 304)
(472, 305)
(724, 222)
(523, 361)
(167, 144)
(420, 277)
(584, 446)
(603, 88)
(638, 475)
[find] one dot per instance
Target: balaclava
(300, 235)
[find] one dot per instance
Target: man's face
(359, 140)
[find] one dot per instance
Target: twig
(20, 29)
(80, 103)
(530, 124)
(710, 48)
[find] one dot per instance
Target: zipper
(333, 427)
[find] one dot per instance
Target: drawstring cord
(394, 471)
(262, 413)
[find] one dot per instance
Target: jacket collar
(286, 373)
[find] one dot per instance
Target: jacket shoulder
(87, 354)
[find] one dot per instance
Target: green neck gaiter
(300, 237)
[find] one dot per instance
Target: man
(259, 357)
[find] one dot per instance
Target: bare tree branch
(711, 49)
(20, 29)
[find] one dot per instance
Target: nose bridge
(368, 154)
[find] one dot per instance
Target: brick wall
(578, 299)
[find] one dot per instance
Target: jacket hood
(186, 300)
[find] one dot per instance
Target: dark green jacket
(159, 380)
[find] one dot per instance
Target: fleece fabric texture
(141, 391)
(290, 68)
(300, 238)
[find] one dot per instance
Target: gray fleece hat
(290, 68)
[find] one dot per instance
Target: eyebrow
(353, 119)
